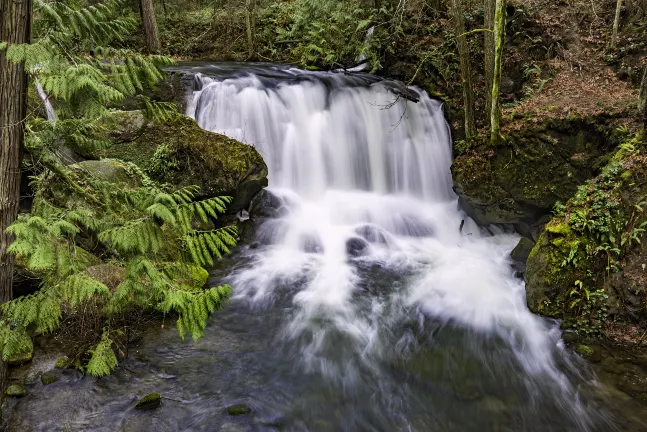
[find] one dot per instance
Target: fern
(103, 360)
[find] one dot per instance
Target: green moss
(150, 401)
(240, 409)
(63, 362)
(16, 390)
(560, 229)
(584, 350)
(21, 358)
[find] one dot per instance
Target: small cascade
(49, 109)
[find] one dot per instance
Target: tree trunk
(488, 50)
(14, 29)
(499, 39)
(250, 19)
(616, 25)
(150, 25)
(466, 69)
(642, 104)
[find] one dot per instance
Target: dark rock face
(520, 254)
(179, 152)
(520, 182)
(266, 205)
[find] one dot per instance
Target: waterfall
(369, 242)
(49, 109)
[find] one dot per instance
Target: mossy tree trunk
(466, 69)
(642, 104)
(499, 39)
(616, 25)
(488, 52)
(250, 18)
(150, 25)
(14, 29)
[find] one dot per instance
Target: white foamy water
(365, 179)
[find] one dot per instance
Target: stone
(239, 409)
(16, 390)
(48, 378)
(150, 401)
(110, 170)
(63, 362)
(265, 204)
(177, 151)
(20, 359)
(356, 246)
(521, 252)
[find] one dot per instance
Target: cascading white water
(49, 109)
(364, 177)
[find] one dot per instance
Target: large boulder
(179, 152)
(519, 183)
(588, 265)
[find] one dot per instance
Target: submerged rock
(239, 409)
(16, 390)
(48, 378)
(179, 152)
(150, 401)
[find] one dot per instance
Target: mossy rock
(63, 362)
(16, 391)
(48, 378)
(587, 266)
(239, 409)
(519, 183)
(150, 401)
(20, 359)
(179, 152)
(110, 170)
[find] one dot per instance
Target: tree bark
(616, 25)
(466, 69)
(488, 52)
(499, 38)
(642, 104)
(250, 18)
(14, 29)
(150, 25)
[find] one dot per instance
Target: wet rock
(16, 390)
(48, 378)
(150, 401)
(356, 246)
(266, 204)
(20, 359)
(63, 362)
(239, 409)
(372, 234)
(520, 255)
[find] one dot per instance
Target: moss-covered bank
(588, 267)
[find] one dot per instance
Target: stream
(368, 301)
